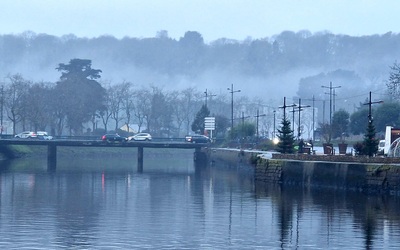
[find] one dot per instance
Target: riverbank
(370, 175)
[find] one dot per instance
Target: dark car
(197, 139)
(113, 138)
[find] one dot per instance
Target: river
(102, 202)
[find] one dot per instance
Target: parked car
(197, 139)
(26, 135)
(113, 138)
(140, 137)
(42, 135)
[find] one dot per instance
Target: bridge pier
(200, 157)
(140, 160)
(51, 157)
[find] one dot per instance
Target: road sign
(209, 123)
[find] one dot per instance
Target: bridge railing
(155, 139)
(95, 137)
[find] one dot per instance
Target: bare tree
(39, 105)
(105, 114)
(115, 95)
(393, 83)
(177, 109)
(127, 101)
(14, 96)
(159, 116)
(141, 107)
(190, 101)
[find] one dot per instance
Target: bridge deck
(99, 143)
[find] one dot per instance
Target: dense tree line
(189, 55)
(356, 63)
(294, 63)
(79, 103)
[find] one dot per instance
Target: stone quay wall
(365, 177)
(359, 174)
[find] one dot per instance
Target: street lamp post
(232, 92)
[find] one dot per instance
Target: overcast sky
(236, 19)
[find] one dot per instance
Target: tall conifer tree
(198, 123)
(370, 142)
(286, 138)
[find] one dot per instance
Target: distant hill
(289, 64)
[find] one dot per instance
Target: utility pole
(257, 116)
(207, 95)
(370, 107)
(244, 117)
(313, 117)
(323, 111)
(242, 130)
(285, 106)
(331, 88)
(334, 101)
(293, 110)
(300, 108)
(313, 114)
(232, 92)
(1, 111)
(370, 143)
(273, 133)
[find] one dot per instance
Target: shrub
(359, 148)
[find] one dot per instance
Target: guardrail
(98, 137)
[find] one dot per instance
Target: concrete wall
(366, 177)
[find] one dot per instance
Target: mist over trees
(157, 83)
(277, 63)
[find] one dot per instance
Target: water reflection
(103, 203)
(335, 218)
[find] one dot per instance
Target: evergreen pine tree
(370, 142)
(198, 123)
(286, 138)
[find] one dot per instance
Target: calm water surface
(103, 203)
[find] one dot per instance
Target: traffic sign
(209, 123)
